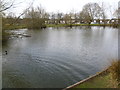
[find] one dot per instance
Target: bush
(36, 23)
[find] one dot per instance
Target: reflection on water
(57, 57)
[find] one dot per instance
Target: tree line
(37, 17)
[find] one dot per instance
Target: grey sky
(63, 5)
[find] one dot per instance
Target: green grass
(56, 25)
(97, 82)
(102, 81)
(67, 25)
(12, 27)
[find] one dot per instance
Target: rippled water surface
(57, 57)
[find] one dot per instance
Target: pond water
(57, 57)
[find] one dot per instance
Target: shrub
(35, 23)
(115, 71)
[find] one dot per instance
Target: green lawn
(12, 27)
(67, 25)
(97, 82)
(103, 80)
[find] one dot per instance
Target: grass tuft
(115, 72)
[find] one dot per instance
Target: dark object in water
(6, 52)
(25, 35)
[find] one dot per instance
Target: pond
(57, 57)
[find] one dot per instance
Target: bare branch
(23, 12)
(6, 8)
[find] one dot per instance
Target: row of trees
(90, 11)
(38, 17)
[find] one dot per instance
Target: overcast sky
(61, 5)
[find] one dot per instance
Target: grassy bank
(101, 81)
(110, 78)
(12, 27)
(70, 25)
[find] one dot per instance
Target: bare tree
(5, 5)
(59, 17)
(84, 17)
(13, 19)
(116, 13)
(94, 10)
(35, 18)
(67, 18)
(103, 10)
(76, 17)
(52, 17)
